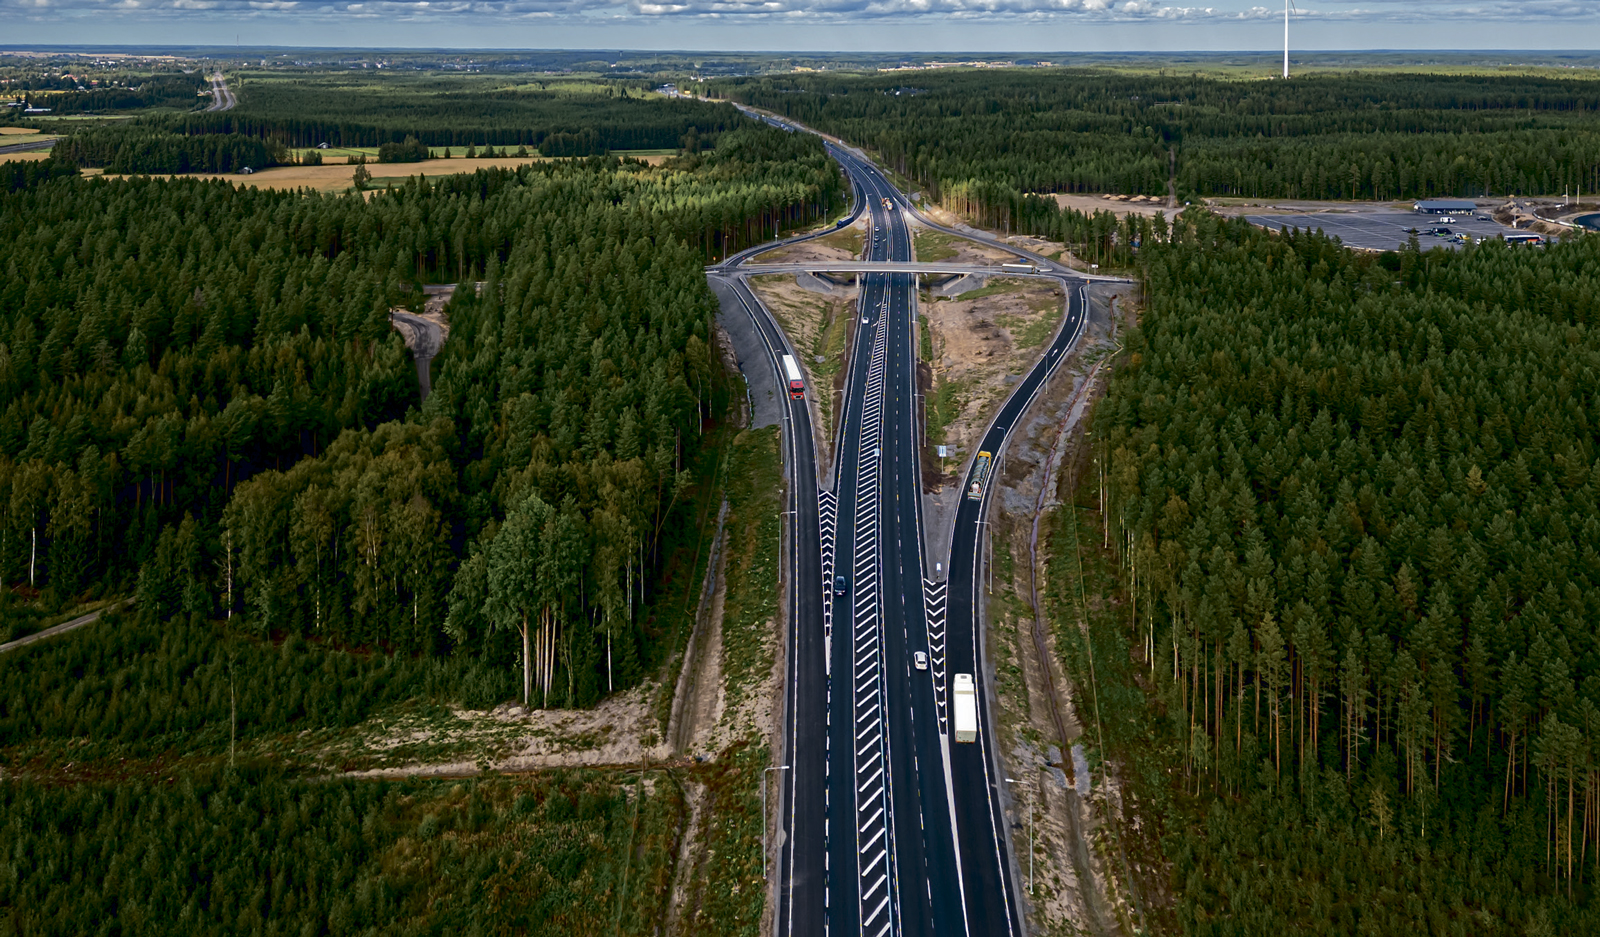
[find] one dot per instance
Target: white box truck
(797, 387)
(964, 699)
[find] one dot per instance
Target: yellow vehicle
(980, 476)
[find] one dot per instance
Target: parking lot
(1386, 230)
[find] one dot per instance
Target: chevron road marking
(934, 595)
(873, 833)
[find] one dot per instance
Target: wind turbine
(1287, 4)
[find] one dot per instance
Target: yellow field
(337, 178)
(18, 130)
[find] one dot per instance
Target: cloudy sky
(812, 25)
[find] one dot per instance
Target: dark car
(840, 587)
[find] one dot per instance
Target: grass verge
(933, 246)
(750, 606)
(996, 287)
(943, 405)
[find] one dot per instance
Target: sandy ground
(507, 738)
(1089, 204)
(943, 216)
(817, 325)
(844, 244)
(698, 699)
(981, 345)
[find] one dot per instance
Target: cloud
(1414, 11)
(905, 9)
(730, 10)
(820, 13)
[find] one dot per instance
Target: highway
(886, 825)
(44, 144)
(221, 98)
(801, 901)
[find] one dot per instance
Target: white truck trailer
(797, 386)
(964, 701)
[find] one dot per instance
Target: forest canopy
(200, 388)
(1357, 497)
(345, 110)
(1321, 136)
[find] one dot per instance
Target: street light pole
(1030, 836)
(781, 516)
(988, 573)
(764, 817)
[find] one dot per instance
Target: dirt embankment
(698, 700)
(818, 324)
(842, 245)
(976, 346)
(1077, 873)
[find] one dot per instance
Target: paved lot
(1383, 230)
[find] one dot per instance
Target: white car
(919, 660)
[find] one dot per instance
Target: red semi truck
(797, 386)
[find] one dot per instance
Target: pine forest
(982, 140)
(210, 413)
(1320, 569)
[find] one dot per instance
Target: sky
(974, 26)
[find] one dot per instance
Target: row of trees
(1355, 496)
(408, 150)
(140, 147)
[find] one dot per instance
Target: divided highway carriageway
(886, 825)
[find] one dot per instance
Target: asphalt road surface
(1385, 230)
(62, 628)
(424, 338)
(887, 826)
(30, 145)
(802, 895)
(221, 98)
